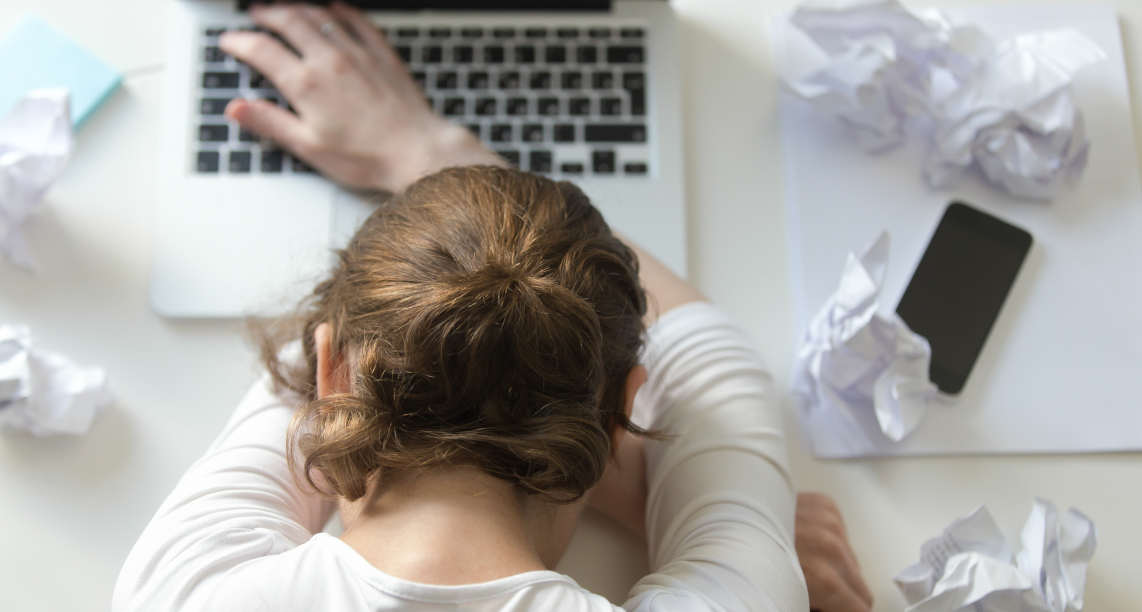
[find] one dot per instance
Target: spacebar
(615, 132)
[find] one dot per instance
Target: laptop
(579, 90)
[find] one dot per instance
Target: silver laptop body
(243, 228)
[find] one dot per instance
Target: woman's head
(485, 317)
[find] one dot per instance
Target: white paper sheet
(44, 393)
(1003, 107)
(1064, 351)
(970, 566)
(35, 143)
(857, 367)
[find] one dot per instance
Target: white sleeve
(238, 502)
(720, 503)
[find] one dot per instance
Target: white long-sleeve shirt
(238, 534)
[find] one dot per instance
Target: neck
(454, 525)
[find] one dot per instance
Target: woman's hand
(831, 569)
(361, 120)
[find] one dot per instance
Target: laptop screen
(470, 5)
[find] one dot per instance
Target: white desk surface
(71, 508)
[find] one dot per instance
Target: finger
(841, 599)
(293, 25)
(367, 33)
(853, 577)
(330, 27)
(265, 54)
(829, 592)
(270, 121)
(811, 499)
(835, 551)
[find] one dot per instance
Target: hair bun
(492, 319)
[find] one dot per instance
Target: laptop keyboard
(566, 101)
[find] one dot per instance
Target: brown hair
(491, 318)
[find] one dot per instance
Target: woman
(470, 376)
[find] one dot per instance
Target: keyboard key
(635, 83)
(478, 80)
(258, 80)
(509, 80)
(493, 54)
(408, 32)
(517, 106)
(239, 162)
(634, 168)
(404, 52)
(571, 80)
(603, 162)
(503, 33)
(474, 128)
(271, 161)
(511, 155)
(207, 161)
(539, 161)
(462, 54)
(603, 80)
(439, 33)
(637, 102)
(532, 132)
(535, 33)
(567, 32)
(213, 54)
(246, 136)
(579, 107)
(420, 77)
(486, 107)
(215, 31)
(433, 102)
(524, 54)
(586, 55)
(564, 132)
(214, 133)
(471, 33)
(454, 107)
(571, 168)
(432, 54)
(548, 106)
(213, 106)
(631, 32)
(501, 132)
(599, 32)
(625, 54)
(540, 80)
(634, 80)
(611, 106)
(299, 166)
(220, 80)
(615, 132)
(447, 80)
(555, 54)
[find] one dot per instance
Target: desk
(72, 508)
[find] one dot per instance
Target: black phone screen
(959, 288)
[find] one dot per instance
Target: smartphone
(959, 288)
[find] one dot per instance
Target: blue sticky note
(34, 55)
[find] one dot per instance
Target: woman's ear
(332, 376)
(635, 379)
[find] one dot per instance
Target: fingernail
(232, 107)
